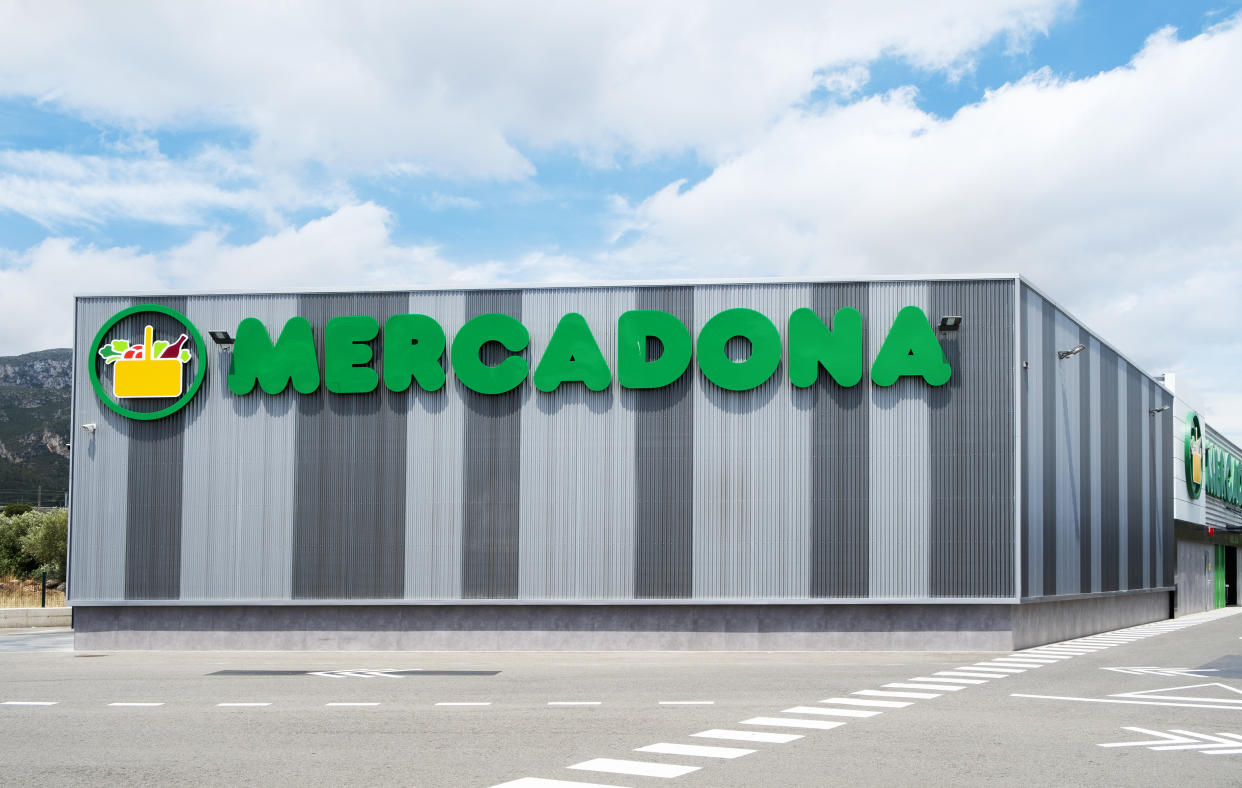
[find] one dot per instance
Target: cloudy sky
(1095, 147)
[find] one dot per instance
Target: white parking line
(887, 694)
(883, 704)
(243, 705)
(1008, 667)
(687, 702)
(540, 782)
(789, 722)
(29, 703)
(950, 681)
(698, 750)
(937, 687)
(994, 670)
(970, 674)
(575, 703)
(351, 704)
(638, 768)
(753, 736)
(465, 703)
(827, 712)
(137, 705)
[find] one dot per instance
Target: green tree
(13, 559)
(47, 539)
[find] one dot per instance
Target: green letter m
(291, 358)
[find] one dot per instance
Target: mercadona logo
(146, 364)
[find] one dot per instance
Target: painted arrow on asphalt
(1220, 744)
(362, 674)
(1154, 671)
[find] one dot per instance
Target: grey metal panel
(100, 469)
(1036, 363)
(1082, 433)
(1067, 468)
(898, 509)
(840, 555)
(664, 468)
(491, 469)
(1149, 484)
(238, 472)
(1095, 484)
(434, 468)
(153, 503)
(1124, 511)
(577, 458)
(1135, 497)
(751, 467)
(1048, 441)
(971, 444)
(1167, 539)
(349, 517)
(1110, 472)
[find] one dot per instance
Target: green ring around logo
(1192, 427)
(185, 398)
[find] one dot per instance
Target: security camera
(90, 427)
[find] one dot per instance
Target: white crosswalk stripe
(697, 750)
(827, 712)
(789, 722)
(636, 768)
(884, 704)
(752, 736)
(887, 694)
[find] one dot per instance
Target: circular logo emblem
(1194, 455)
(147, 362)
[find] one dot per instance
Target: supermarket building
(949, 463)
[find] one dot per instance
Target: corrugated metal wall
(685, 492)
(1097, 509)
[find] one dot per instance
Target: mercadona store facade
(941, 463)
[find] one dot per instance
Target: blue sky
(215, 146)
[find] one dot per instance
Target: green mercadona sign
(1210, 467)
(415, 349)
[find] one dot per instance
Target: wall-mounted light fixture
(1160, 409)
(1074, 351)
(223, 339)
(90, 427)
(950, 322)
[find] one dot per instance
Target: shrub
(13, 559)
(46, 541)
(14, 509)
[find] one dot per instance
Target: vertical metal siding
(491, 468)
(1095, 485)
(100, 469)
(434, 488)
(577, 449)
(349, 506)
(664, 468)
(1067, 440)
(153, 511)
(1037, 361)
(751, 467)
(840, 543)
(1111, 477)
(238, 470)
(898, 511)
(971, 444)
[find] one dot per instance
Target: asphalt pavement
(1159, 704)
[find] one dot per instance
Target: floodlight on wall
(1160, 409)
(90, 427)
(223, 339)
(1074, 351)
(950, 322)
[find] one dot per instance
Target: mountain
(34, 426)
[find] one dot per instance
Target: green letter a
(911, 348)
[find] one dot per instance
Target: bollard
(43, 591)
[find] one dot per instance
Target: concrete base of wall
(25, 617)
(610, 627)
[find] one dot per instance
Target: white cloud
(350, 248)
(1120, 195)
(58, 189)
(458, 87)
